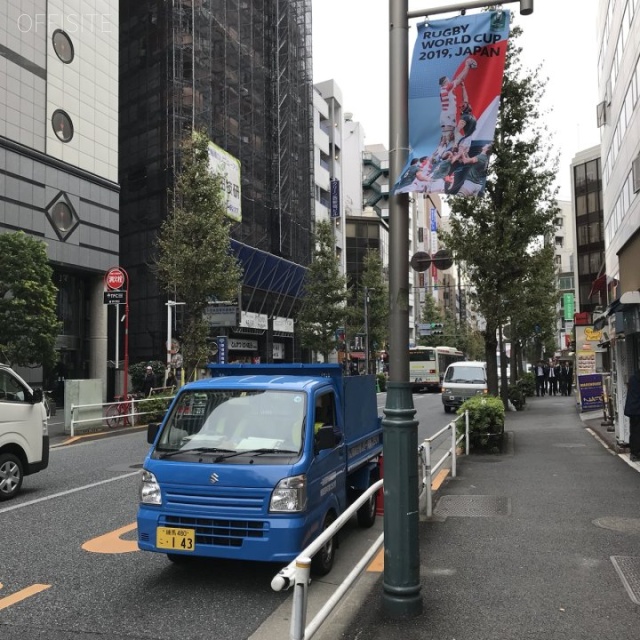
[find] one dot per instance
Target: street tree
(430, 313)
(28, 321)
(323, 309)
(491, 236)
(194, 261)
(372, 283)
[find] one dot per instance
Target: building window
(62, 46)
(62, 125)
(559, 242)
(62, 217)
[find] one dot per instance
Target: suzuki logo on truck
(213, 478)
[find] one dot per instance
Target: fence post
(466, 431)
(299, 612)
(453, 448)
(427, 480)
(73, 411)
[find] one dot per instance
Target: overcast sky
(351, 46)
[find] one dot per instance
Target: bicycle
(122, 413)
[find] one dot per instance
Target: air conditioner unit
(635, 166)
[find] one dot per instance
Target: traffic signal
(436, 329)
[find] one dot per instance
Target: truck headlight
(290, 495)
(149, 489)
(445, 390)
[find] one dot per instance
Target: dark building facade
(589, 225)
(241, 70)
(59, 162)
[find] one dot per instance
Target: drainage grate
(472, 506)
(628, 568)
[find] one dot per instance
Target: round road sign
(115, 278)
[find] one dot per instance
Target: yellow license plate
(176, 539)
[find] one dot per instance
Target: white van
(24, 432)
(463, 380)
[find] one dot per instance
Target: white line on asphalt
(66, 493)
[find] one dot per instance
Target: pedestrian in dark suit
(566, 379)
(554, 378)
(632, 411)
(541, 377)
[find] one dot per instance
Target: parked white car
(24, 432)
(463, 380)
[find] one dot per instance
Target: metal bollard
(299, 613)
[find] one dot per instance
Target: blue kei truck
(256, 461)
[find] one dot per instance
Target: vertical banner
(335, 198)
(454, 96)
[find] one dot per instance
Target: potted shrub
(486, 423)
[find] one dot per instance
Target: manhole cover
(473, 506)
(628, 568)
(623, 525)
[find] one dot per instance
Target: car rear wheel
(11, 475)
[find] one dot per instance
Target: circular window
(62, 46)
(62, 216)
(62, 125)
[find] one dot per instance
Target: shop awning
(601, 283)
(627, 300)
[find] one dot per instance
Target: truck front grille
(219, 532)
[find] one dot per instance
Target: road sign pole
(117, 337)
(401, 584)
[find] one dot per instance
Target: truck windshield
(234, 421)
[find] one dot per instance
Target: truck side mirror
(37, 396)
(325, 438)
(152, 432)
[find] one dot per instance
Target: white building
(619, 121)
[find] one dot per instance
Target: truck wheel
(447, 409)
(367, 512)
(322, 562)
(11, 475)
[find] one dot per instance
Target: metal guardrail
(297, 574)
(425, 498)
(99, 417)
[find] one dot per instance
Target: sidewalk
(540, 542)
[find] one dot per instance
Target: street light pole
(401, 583)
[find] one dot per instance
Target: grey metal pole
(401, 583)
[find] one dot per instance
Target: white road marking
(70, 491)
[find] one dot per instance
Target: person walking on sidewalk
(632, 411)
(554, 374)
(541, 377)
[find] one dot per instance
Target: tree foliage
(492, 235)
(372, 281)
(28, 321)
(194, 261)
(324, 294)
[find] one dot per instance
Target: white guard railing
(425, 499)
(95, 414)
(297, 574)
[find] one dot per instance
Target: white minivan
(24, 432)
(463, 380)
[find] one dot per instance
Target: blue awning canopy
(272, 280)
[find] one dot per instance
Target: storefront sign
(253, 320)
(591, 394)
(284, 325)
(221, 315)
(240, 344)
(278, 351)
(223, 352)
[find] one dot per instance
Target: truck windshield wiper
(170, 454)
(252, 452)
